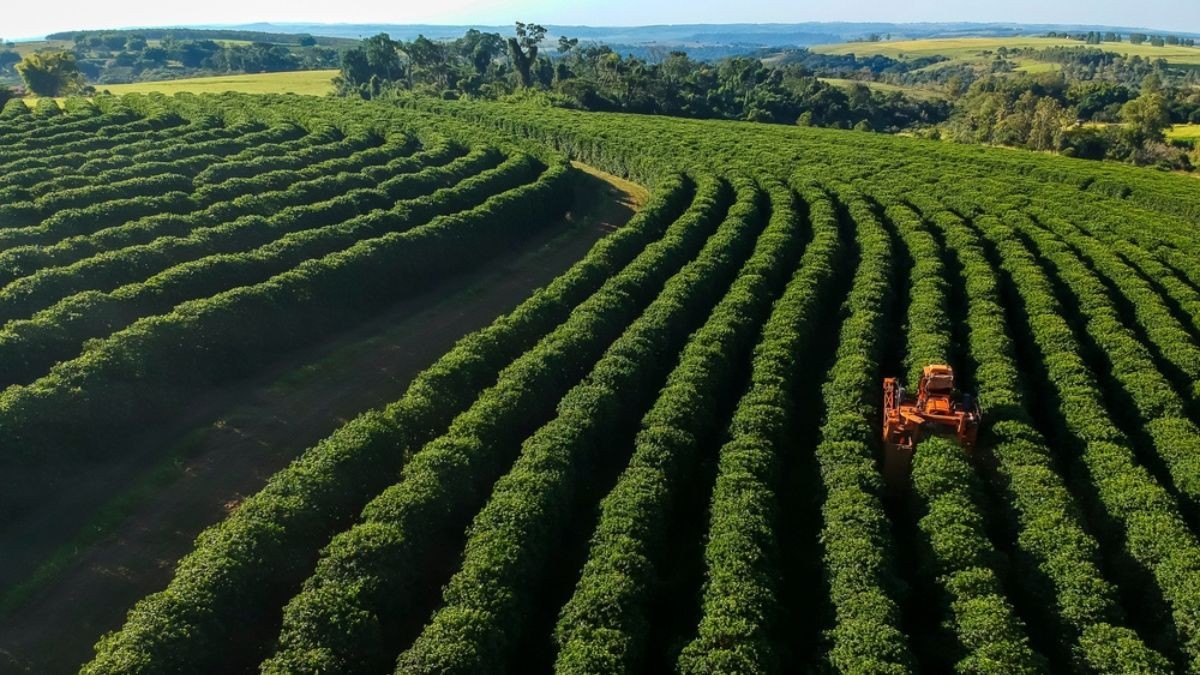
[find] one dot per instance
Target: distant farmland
(970, 49)
(310, 82)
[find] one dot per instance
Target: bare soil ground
(115, 534)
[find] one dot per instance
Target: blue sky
(30, 19)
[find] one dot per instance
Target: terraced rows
(130, 286)
(668, 458)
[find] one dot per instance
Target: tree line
(1094, 37)
(115, 57)
(595, 77)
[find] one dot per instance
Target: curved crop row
(54, 150)
(193, 165)
(1152, 315)
(56, 197)
(160, 361)
(29, 347)
(328, 142)
(318, 161)
(856, 540)
(197, 131)
(739, 597)
(990, 637)
(13, 138)
(304, 159)
(1061, 557)
(98, 216)
(44, 133)
(343, 619)
(22, 261)
(15, 109)
(1160, 410)
(1143, 515)
(295, 224)
(486, 602)
(160, 145)
(269, 544)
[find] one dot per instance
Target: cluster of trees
(1090, 63)
(131, 56)
(1088, 119)
(1096, 37)
(219, 34)
(9, 58)
(52, 73)
(848, 65)
(594, 77)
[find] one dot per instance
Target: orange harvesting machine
(938, 408)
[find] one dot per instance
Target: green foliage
(51, 73)
(855, 539)
(363, 567)
(281, 528)
(530, 507)
(14, 108)
(1061, 557)
(595, 77)
(740, 604)
(1148, 115)
(1149, 520)
(154, 247)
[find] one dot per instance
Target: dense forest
(1094, 104)
(113, 57)
(595, 77)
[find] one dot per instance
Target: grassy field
(24, 48)
(970, 49)
(311, 82)
(915, 92)
(1185, 132)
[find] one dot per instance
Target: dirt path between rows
(233, 440)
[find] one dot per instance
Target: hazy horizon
(26, 21)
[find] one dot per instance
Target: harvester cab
(938, 408)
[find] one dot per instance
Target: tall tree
(523, 50)
(383, 56)
(51, 73)
(1148, 115)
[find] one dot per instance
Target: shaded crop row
(486, 604)
(269, 544)
(357, 598)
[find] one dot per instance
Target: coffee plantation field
(666, 459)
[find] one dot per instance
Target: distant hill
(211, 34)
(687, 35)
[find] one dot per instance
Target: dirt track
(235, 439)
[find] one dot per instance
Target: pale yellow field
(1028, 66)
(1185, 132)
(915, 92)
(968, 49)
(24, 48)
(310, 82)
